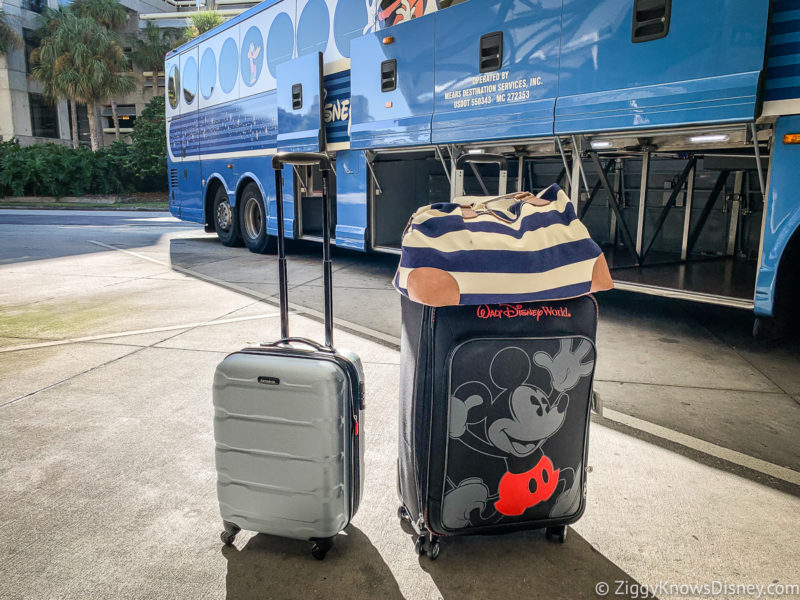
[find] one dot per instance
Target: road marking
(258, 295)
(732, 456)
(105, 336)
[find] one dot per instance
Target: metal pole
(564, 160)
(368, 157)
(444, 164)
(595, 189)
(733, 226)
(687, 215)
(480, 179)
(627, 240)
(642, 202)
(457, 177)
(662, 218)
(761, 183)
(575, 178)
(520, 166)
(719, 184)
(282, 275)
(327, 279)
(579, 146)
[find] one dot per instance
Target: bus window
(172, 86)
(190, 80)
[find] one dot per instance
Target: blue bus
(674, 125)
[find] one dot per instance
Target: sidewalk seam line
(254, 294)
(105, 336)
(733, 456)
(139, 349)
(690, 387)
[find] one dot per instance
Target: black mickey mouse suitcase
(494, 417)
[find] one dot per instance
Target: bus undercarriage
(677, 213)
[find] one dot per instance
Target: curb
(98, 207)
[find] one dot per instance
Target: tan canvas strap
(470, 211)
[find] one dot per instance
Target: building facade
(24, 112)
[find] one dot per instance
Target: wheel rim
(253, 220)
(224, 215)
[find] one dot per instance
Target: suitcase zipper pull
(355, 425)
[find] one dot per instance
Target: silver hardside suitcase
(288, 419)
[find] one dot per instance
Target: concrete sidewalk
(106, 443)
(109, 490)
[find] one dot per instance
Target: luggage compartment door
(496, 70)
(300, 94)
(391, 79)
(639, 64)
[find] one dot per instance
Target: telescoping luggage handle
(324, 163)
(464, 159)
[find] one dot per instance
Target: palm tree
(108, 13)
(120, 84)
(53, 82)
(79, 59)
(9, 38)
(149, 48)
(111, 15)
(201, 22)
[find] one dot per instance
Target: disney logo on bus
(337, 111)
(512, 311)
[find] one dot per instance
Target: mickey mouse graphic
(513, 425)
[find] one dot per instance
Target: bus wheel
(252, 218)
(225, 221)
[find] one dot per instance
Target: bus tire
(226, 222)
(253, 221)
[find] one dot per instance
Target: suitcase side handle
(304, 158)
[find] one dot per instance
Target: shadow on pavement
(273, 567)
(520, 565)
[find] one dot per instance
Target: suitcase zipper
(428, 415)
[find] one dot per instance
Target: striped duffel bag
(515, 248)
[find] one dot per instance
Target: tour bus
(674, 126)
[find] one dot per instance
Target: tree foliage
(147, 159)
(149, 48)
(108, 13)
(55, 170)
(9, 38)
(80, 58)
(201, 22)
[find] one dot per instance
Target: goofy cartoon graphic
(503, 433)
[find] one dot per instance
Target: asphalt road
(111, 324)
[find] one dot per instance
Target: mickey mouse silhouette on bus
(513, 425)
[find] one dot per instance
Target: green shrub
(147, 158)
(55, 170)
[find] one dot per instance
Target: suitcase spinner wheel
(403, 515)
(427, 544)
(321, 547)
(229, 533)
(557, 534)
